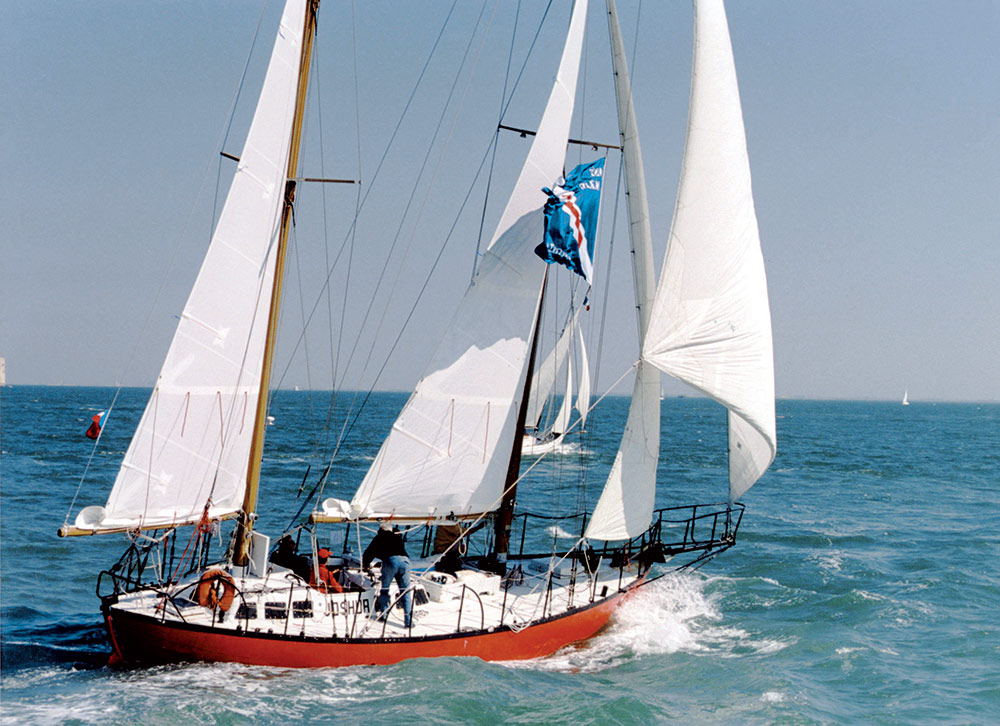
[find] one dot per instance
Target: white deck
(281, 603)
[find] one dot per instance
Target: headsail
(546, 373)
(192, 445)
(447, 451)
(626, 504)
(583, 390)
(711, 323)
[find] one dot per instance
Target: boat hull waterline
(142, 639)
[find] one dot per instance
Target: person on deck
(286, 556)
(388, 547)
(323, 578)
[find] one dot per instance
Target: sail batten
(191, 447)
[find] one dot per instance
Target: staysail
(626, 503)
(711, 323)
(546, 373)
(191, 448)
(447, 453)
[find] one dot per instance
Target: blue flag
(571, 219)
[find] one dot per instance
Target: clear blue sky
(872, 126)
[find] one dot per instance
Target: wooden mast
(247, 514)
(505, 514)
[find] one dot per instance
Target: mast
(247, 514)
(505, 514)
(626, 504)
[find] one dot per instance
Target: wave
(674, 614)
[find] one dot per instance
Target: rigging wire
(351, 231)
(413, 193)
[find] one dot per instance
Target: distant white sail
(626, 503)
(711, 323)
(192, 444)
(448, 451)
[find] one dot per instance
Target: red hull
(138, 638)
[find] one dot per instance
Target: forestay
(192, 444)
(711, 324)
(448, 451)
(626, 504)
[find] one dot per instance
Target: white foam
(556, 531)
(674, 614)
(772, 697)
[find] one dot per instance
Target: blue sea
(863, 589)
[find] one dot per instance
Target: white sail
(711, 324)
(626, 504)
(448, 451)
(545, 375)
(561, 422)
(544, 164)
(192, 444)
(583, 392)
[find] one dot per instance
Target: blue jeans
(399, 568)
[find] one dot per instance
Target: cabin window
(302, 609)
(247, 611)
(275, 610)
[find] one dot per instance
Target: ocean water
(864, 586)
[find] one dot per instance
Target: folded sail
(626, 504)
(192, 444)
(711, 323)
(448, 451)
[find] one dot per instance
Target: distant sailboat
(906, 398)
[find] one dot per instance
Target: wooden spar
(505, 514)
(319, 180)
(247, 514)
(68, 530)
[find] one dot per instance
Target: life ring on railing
(216, 589)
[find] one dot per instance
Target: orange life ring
(216, 589)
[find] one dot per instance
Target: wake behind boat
(447, 475)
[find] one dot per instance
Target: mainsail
(191, 448)
(447, 452)
(711, 323)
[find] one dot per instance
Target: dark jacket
(284, 557)
(384, 545)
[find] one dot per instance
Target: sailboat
(450, 464)
(906, 398)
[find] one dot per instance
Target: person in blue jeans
(388, 547)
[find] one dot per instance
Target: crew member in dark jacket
(388, 547)
(285, 556)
